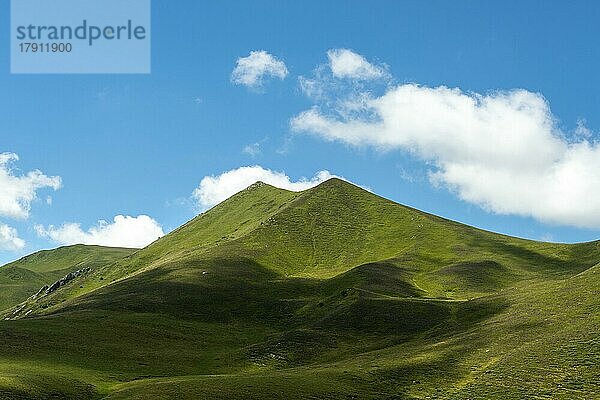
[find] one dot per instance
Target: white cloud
(252, 70)
(9, 239)
(582, 130)
(252, 150)
(18, 191)
(124, 231)
(502, 151)
(345, 81)
(215, 189)
(345, 63)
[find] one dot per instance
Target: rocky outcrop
(22, 310)
(40, 292)
(66, 279)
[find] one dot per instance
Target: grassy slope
(329, 293)
(24, 277)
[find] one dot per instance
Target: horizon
(305, 190)
(462, 110)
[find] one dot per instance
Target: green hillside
(332, 293)
(24, 277)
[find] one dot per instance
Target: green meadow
(330, 293)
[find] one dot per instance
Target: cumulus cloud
(582, 130)
(345, 63)
(502, 151)
(124, 231)
(215, 189)
(17, 192)
(345, 81)
(9, 239)
(251, 71)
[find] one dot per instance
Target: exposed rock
(18, 309)
(255, 185)
(63, 281)
(40, 292)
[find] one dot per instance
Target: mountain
(333, 292)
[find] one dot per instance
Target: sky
(481, 112)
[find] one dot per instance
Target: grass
(24, 277)
(329, 293)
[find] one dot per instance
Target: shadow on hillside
(378, 297)
(372, 306)
(534, 261)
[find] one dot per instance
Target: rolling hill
(332, 293)
(24, 277)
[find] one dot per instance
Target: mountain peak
(329, 183)
(335, 181)
(338, 184)
(257, 184)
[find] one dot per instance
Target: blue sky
(141, 144)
